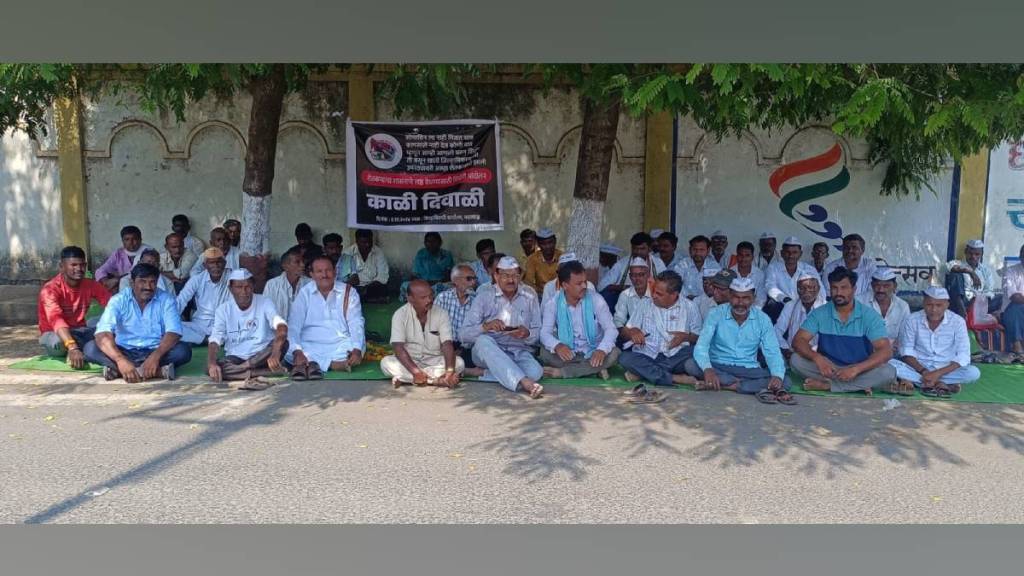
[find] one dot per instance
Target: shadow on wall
(31, 213)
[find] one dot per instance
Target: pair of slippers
(639, 394)
(307, 371)
(936, 392)
(780, 396)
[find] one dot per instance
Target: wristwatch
(70, 344)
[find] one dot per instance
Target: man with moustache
(209, 288)
(138, 337)
(63, 303)
(421, 336)
(175, 261)
(727, 350)
(853, 260)
(853, 347)
(253, 334)
(893, 309)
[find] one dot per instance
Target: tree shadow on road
(551, 438)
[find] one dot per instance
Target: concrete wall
(142, 168)
(30, 215)
(1004, 217)
(726, 184)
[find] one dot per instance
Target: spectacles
(473, 278)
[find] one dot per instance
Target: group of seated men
(712, 320)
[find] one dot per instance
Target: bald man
(421, 335)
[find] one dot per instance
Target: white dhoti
(323, 353)
(433, 367)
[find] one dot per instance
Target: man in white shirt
(691, 269)
(706, 300)
(781, 275)
(853, 259)
(253, 334)
(969, 278)
(794, 313)
(667, 245)
(719, 247)
(663, 332)
(282, 289)
(630, 300)
(766, 250)
(421, 335)
(326, 329)
(612, 284)
(371, 268)
(175, 261)
(608, 255)
(181, 226)
(219, 239)
(1012, 317)
(883, 299)
(577, 333)
(210, 289)
(935, 349)
(744, 268)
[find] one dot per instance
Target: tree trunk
(597, 145)
(264, 122)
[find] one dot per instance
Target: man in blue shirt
(727, 349)
(138, 336)
(853, 345)
(432, 264)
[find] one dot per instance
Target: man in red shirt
(63, 302)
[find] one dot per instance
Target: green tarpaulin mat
(998, 384)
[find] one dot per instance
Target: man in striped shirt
(456, 303)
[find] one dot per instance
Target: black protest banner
(420, 176)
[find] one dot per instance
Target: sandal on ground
(638, 390)
(313, 372)
(648, 397)
(784, 397)
(932, 392)
(300, 372)
(953, 388)
(255, 384)
(766, 396)
(900, 387)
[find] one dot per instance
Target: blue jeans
(751, 380)
(659, 371)
(506, 367)
(179, 355)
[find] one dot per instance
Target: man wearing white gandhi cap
(809, 297)
(253, 334)
(727, 350)
(766, 250)
(969, 278)
(893, 309)
(503, 325)
(935, 350)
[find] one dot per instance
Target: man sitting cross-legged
(729, 342)
(63, 303)
(629, 301)
(325, 325)
(577, 332)
(254, 336)
(210, 290)
(662, 331)
(138, 336)
(935, 350)
(421, 335)
(502, 326)
(853, 347)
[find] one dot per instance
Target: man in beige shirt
(421, 335)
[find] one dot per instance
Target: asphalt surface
(78, 450)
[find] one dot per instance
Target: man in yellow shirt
(542, 265)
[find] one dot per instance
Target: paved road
(80, 450)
